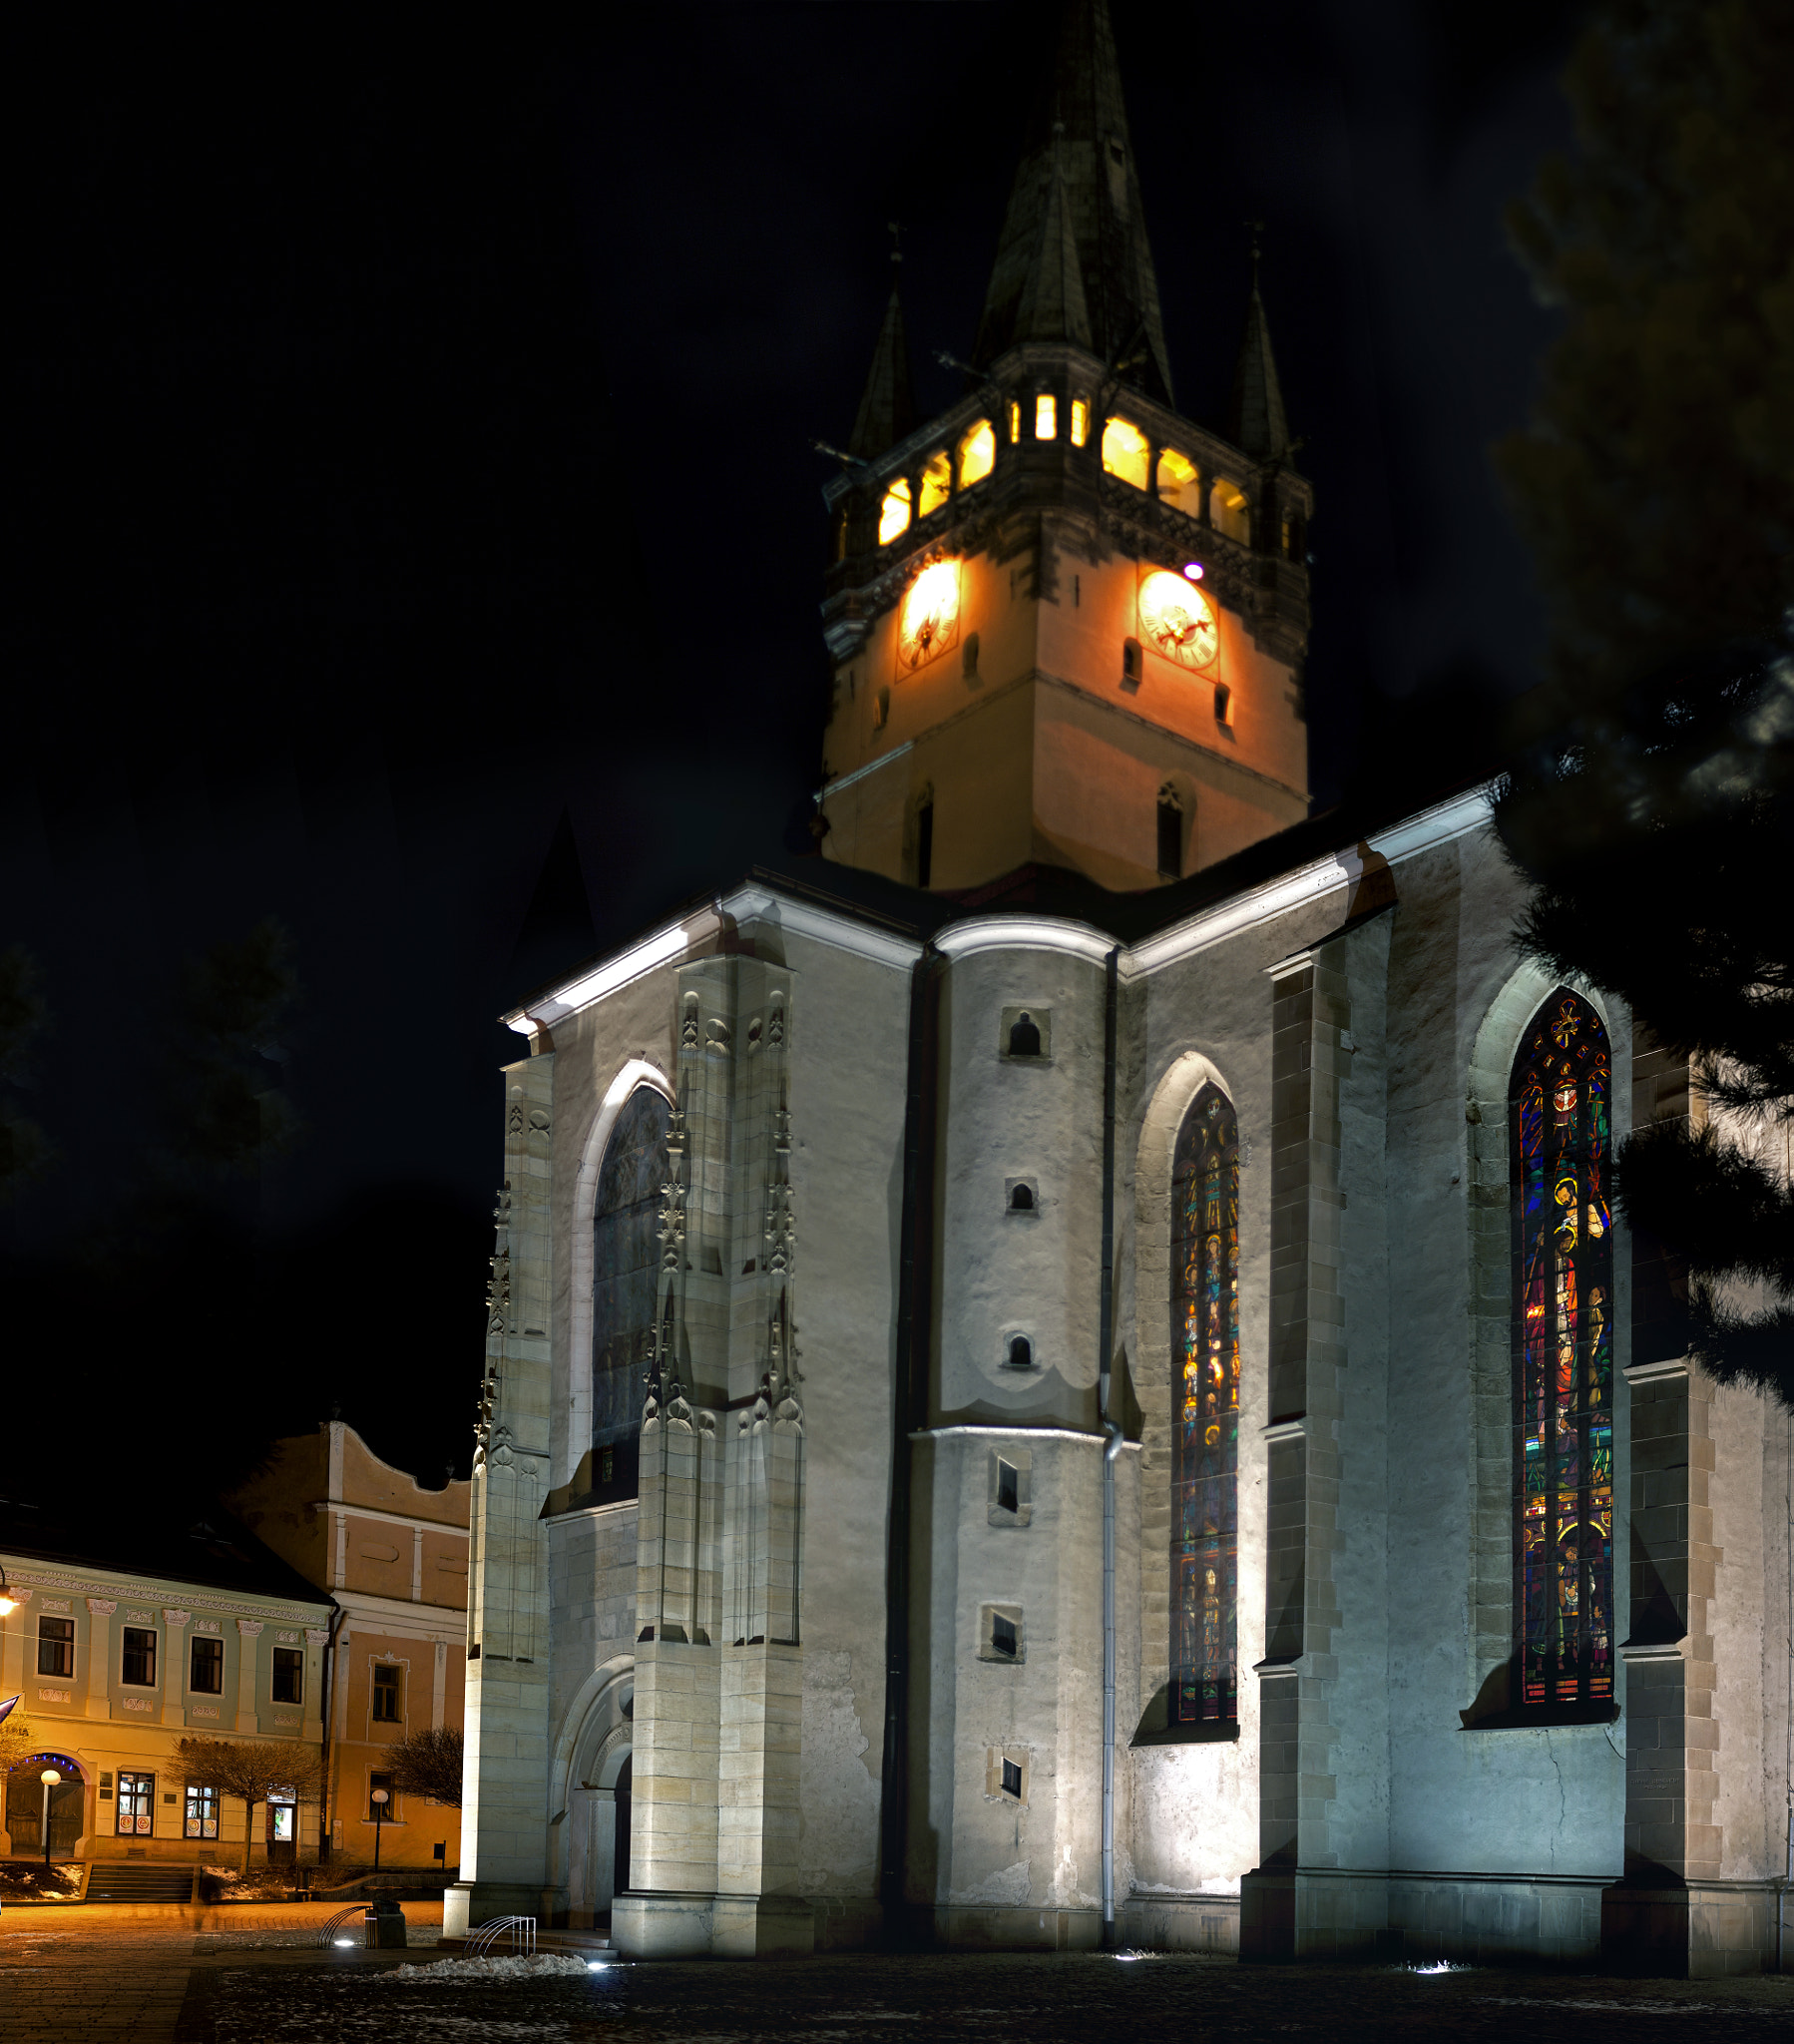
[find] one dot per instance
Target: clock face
(929, 621)
(1178, 620)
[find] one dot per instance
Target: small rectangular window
(56, 1645)
(290, 1676)
(1046, 416)
(206, 1665)
(379, 1797)
(1003, 1634)
(1012, 1779)
(388, 1694)
(202, 1812)
(140, 1656)
(137, 1804)
(1008, 1494)
(1080, 421)
(1015, 424)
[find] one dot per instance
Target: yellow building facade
(115, 1666)
(392, 1558)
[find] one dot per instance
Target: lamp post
(379, 1799)
(49, 1776)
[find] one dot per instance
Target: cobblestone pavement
(59, 1986)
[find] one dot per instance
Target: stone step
(124, 1880)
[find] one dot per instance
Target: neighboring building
(205, 1634)
(1151, 1427)
(394, 1557)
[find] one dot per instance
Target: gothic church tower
(1067, 623)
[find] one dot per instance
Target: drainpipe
(1111, 1446)
(327, 1798)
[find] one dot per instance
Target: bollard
(385, 1928)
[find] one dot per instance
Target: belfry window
(976, 454)
(893, 513)
(1127, 452)
(937, 484)
(1179, 483)
(1046, 416)
(1562, 1319)
(1204, 1686)
(1228, 511)
(626, 1261)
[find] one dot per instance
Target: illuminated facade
(1065, 1373)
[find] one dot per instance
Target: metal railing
(327, 1933)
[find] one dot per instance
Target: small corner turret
(1060, 612)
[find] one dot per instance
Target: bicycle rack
(521, 1932)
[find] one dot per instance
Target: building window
(1080, 421)
(202, 1812)
(290, 1676)
(1228, 511)
(924, 844)
(1046, 416)
(389, 1694)
(1021, 1197)
(206, 1665)
(1025, 1039)
(1179, 483)
(1127, 452)
(1206, 1439)
(56, 1645)
(893, 513)
(1019, 1355)
(625, 1262)
(1014, 423)
(976, 454)
(1562, 1319)
(139, 1655)
(137, 1804)
(937, 484)
(1131, 664)
(1009, 1486)
(1012, 1779)
(1170, 833)
(381, 1811)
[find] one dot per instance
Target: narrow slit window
(1131, 664)
(1205, 1412)
(1009, 1487)
(1562, 1319)
(1080, 421)
(1021, 1352)
(1003, 1634)
(1015, 422)
(1046, 416)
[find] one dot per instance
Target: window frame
(291, 1660)
(199, 1801)
(62, 1645)
(194, 1686)
(394, 1674)
(139, 1634)
(140, 1824)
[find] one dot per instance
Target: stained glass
(1563, 1357)
(1205, 1419)
(625, 1260)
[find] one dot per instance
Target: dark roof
(887, 412)
(1255, 421)
(211, 1550)
(1080, 117)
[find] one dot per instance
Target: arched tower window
(626, 1261)
(1206, 1416)
(1563, 1309)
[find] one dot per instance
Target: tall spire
(1080, 117)
(887, 414)
(1255, 421)
(1051, 303)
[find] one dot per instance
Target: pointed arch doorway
(599, 1782)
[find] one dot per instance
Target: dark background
(414, 537)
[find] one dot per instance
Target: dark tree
(428, 1763)
(1651, 805)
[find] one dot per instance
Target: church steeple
(1077, 162)
(1051, 303)
(1255, 421)
(887, 412)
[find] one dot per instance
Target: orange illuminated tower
(1067, 623)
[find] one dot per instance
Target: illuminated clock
(929, 621)
(1178, 620)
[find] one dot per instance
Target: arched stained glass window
(1206, 1413)
(626, 1264)
(1558, 1108)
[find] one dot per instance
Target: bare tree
(429, 1763)
(254, 1770)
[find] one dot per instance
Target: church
(1064, 1373)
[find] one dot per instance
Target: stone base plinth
(1178, 1923)
(469, 1904)
(762, 1926)
(1312, 1914)
(1701, 1931)
(969, 1929)
(662, 1923)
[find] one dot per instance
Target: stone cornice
(163, 1590)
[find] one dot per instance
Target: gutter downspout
(1111, 1446)
(327, 1800)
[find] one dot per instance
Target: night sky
(414, 536)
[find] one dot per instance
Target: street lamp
(49, 1776)
(8, 1601)
(379, 1799)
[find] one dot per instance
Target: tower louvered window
(1204, 1686)
(1558, 1105)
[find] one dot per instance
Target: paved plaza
(63, 1984)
